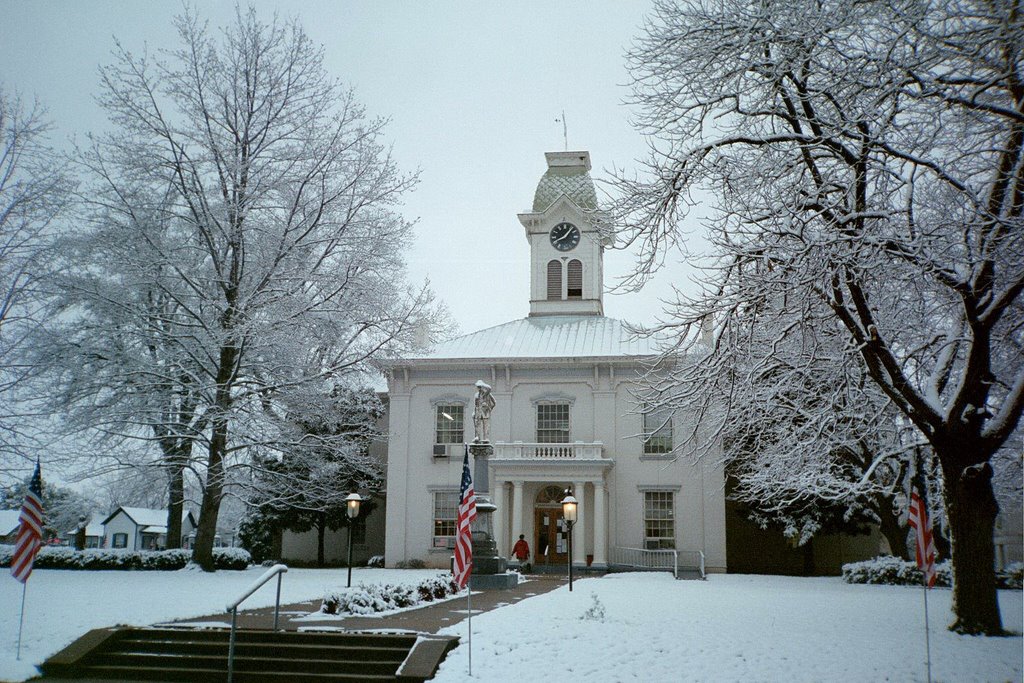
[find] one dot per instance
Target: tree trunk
(213, 492)
(321, 528)
(276, 544)
(895, 534)
(942, 546)
(175, 508)
(175, 496)
(971, 510)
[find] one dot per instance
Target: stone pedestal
(489, 568)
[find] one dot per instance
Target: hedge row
(893, 571)
(50, 557)
(373, 598)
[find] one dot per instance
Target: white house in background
(93, 535)
(141, 528)
(565, 416)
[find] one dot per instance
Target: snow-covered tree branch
(867, 158)
(243, 249)
(34, 192)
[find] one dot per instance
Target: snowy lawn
(731, 628)
(61, 605)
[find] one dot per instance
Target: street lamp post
(352, 501)
(569, 513)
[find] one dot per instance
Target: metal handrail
(646, 558)
(277, 570)
(650, 558)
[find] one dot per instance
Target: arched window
(554, 280)
(551, 496)
(575, 280)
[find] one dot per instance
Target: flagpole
(927, 636)
(469, 608)
(21, 621)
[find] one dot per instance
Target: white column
(500, 517)
(517, 510)
(579, 530)
(600, 524)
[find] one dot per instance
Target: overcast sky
(473, 91)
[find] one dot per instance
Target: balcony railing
(519, 450)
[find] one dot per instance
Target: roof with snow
(146, 517)
(9, 521)
(552, 336)
(91, 529)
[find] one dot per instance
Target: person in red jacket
(521, 551)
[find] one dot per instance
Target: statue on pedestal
(483, 404)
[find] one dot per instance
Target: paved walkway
(428, 619)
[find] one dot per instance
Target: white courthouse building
(566, 417)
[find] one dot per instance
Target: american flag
(30, 533)
(923, 535)
(463, 534)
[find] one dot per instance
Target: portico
(523, 472)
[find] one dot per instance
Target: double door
(551, 545)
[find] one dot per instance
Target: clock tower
(567, 234)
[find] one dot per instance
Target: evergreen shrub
(51, 557)
(374, 598)
(893, 571)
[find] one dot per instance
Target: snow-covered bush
(893, 571)
(231, 558)
(51, 557)
(896, 572)
(1012, 576)
(414, 563)
(376, 561)
(437, 587)
(372, 598)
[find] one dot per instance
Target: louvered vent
(554, 280)
(575, 279)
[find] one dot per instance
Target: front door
(551, 546)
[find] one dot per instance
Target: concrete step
(121, 673)
(292, 650)
(176, 654)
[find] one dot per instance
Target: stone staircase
(187, 654)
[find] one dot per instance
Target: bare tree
(34, 191)
(866, 156)
(252, 208)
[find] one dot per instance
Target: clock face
(565, 236)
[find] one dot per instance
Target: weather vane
(565, 130)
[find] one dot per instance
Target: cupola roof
(569, 174)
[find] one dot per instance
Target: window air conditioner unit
(442, 450)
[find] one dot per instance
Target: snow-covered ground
(62, 605)
(729, 628)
